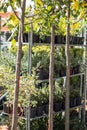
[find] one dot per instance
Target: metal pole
(29, 70)
(85, 76)
(30, 35)
(81, 77)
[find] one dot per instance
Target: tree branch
(30, 16)
(14, 11)
(78, 20)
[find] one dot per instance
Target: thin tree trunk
(67, 69)
(51, 72)
(18, 66)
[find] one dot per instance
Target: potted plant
(76, 55)
(46, 39)
(59, 62)
(43, 97)
(33, 108)
(58, 95)
(58, 39)
(75, 97)
(80, 40)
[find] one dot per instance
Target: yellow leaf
(75, 5)
(39, 2)
(84, 4)
(13, 42)
(82, 14)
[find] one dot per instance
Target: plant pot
(25, 37)
(62, 72)
(40, 110)
(46, 109)
(71, 40)
(8, 108)
(63, 105)
(33, 112)
(71, 70)
(46, 39)
(35, 38)
(72, 102)
(40, 85)
(1, 88)
(80, 40)
(78, 101)
(20, 111)
(57, 106)
(43, 74)
(58, 39)
(63, 39)
(1, 105)
(77, 69)
(74, 40)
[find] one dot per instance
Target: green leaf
(13, 42)
(49, 8)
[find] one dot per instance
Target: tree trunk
(51, 71)
(18, 66)
(67, 69)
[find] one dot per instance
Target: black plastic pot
(36, 38)
(46, 39)
(57, 106)
(71, 40)
(33, 112)
(78, 101)
(46, 109)
(2, 101)
(20, 111)
(7, 109)
(75, 69)
(1, 88)
(63, 105)
(71, 70)
(1, 105)
(80, 40)
(40, 110)
(72, 102)
(58, 39)
(43, 74)
(62, 72)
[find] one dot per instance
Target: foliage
(40, 58)
(75, 124)
(47, 13)
(7, 78)
(21, 124)
(50, 14)
(4, 119)
(7, 59)
(40, 124)
(59, 90)
(76, 56)
(75, 82)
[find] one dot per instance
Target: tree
(51, 73)
(18, 66)
(67, 68)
